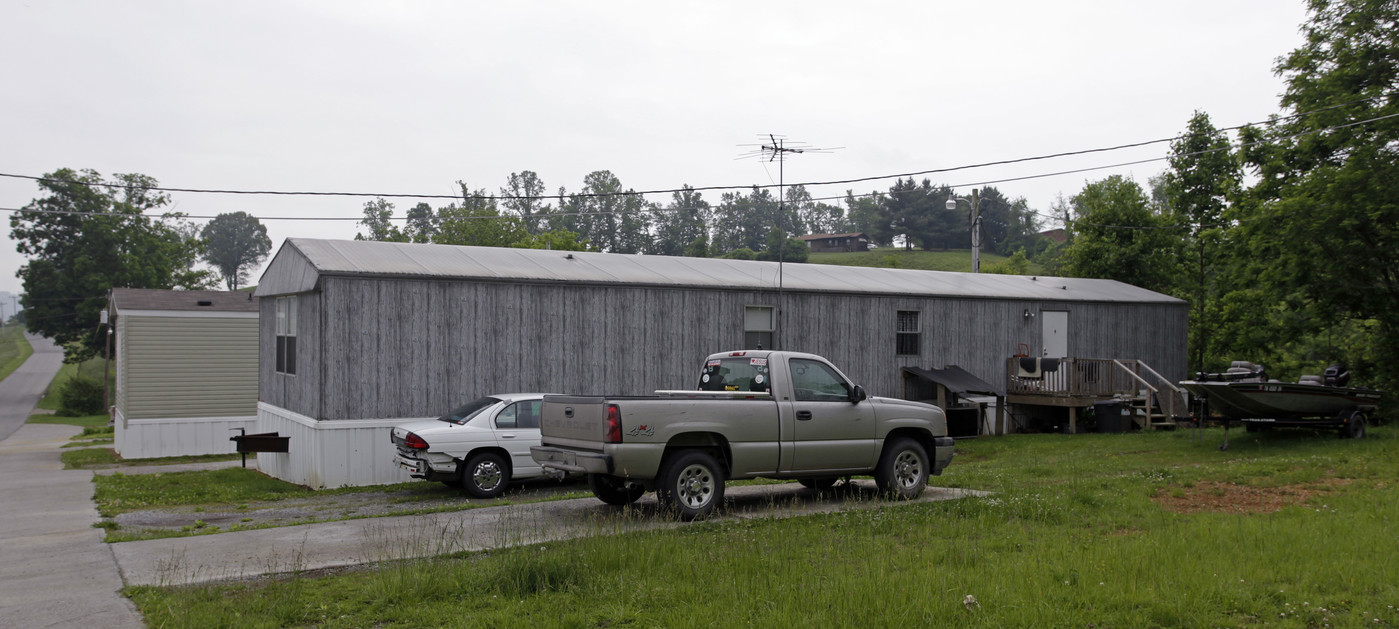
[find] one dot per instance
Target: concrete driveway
(57, 571)
(25, 387)
(239, 554)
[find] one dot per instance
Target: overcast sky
(410, 97)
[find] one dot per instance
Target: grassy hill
(897, 258)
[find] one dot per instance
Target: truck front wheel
(613, 490)
(693, 483)
(903, 469)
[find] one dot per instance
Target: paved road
(25, 387)
(56, 571)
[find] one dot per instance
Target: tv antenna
(778, 149)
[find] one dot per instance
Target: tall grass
(1070, 537)
(14, 349)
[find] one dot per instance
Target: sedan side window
(506, 418)
(816, 382)
(527, 414)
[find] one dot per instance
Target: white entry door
(1055, 339)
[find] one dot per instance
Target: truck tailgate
(573, 419)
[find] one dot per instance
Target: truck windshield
(739, 373)
(464, 413)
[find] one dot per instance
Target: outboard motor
(1337, 375)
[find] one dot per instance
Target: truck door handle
(803, 415)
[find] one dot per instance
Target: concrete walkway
(23, 388)
(57, 571)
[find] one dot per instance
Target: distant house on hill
(1057, 235)
(836, 242)
(186, 364)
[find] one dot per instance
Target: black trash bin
(1111, 416)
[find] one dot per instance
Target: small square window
(286, 335)
(758, 326)
(907, 337)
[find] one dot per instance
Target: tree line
(605, 216)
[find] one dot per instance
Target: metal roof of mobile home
(300, 263)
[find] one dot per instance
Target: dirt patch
(1216, 497)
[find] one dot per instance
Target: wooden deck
(1082, 382)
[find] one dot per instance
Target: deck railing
(1100, 379)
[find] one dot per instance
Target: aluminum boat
(1245, 393)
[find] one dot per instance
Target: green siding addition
(189, 367)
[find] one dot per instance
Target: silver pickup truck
(768, 414)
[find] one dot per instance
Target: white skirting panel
(330, 453)
(176, 436)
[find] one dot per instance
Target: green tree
(478, 222)
(792, 250)
(1325, 210)
(616, 220)
(1204, 175)
(1016, 264)
(378, 215)
(558, 240)
(235, 243)
(422, 224)
(1117, 236)
(85, 236)
(742, 221)
(863, 214)
(523, 196)
(680, 223)
(911, 212)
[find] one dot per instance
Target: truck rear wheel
(693, 484)
(903, 469)
(613, 490)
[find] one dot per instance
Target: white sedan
(479, 447)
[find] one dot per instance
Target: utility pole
(975, 219)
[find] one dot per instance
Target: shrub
(81, 396)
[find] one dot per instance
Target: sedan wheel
(485, 475)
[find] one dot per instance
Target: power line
(702, 188)
(656, 209)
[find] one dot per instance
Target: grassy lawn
(79, 460)
(14, 349)
(1287, 529)
(91, 368)
(956, 260)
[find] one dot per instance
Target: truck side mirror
(857, 394)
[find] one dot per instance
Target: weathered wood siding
(299, 392)
(172, 366)
(392, 347)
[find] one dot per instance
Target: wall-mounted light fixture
(1029, 314)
